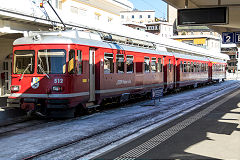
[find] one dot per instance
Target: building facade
(205, 41)
(232, 51)
(137, 16)
(100, 10)
(162, 29)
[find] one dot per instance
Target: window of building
(108, 63)
(79, 62)
(5, 65)
(154, 64)
(149, 16)
(122, 16)
(130, 64)
(140, 16)
(74, 10)
(120, 63)
(132, 16)
(146, 64)
(97, 16)
(110, 19)
(58, 4)
(82, 11)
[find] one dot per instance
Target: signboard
(202, 16)
(230, 37)
(237, 37)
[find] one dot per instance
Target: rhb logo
(35, 82)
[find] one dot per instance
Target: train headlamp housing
(57, 88)
(15, 88)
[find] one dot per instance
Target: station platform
(210, 132)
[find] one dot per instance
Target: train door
(178, 70)
(209, 71)
(165, 70)
(175, 72)
(92, 74)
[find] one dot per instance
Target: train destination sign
(230, 37)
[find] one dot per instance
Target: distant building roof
(193, 28)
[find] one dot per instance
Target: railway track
(152, 114)
(22, 125)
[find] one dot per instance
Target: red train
(59, 71)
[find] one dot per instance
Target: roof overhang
(233, 6)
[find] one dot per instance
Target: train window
(169, 65)
(195, 67)
(51, 61)
(23, 62)
(71, 62)
(79, 62)
(108, 63)
(146, 64)
(154, 64)
(185, 66)
(181, 67)
(189, 67)
(159, 68)
(120, 63)
(130, 64)
(192, 67)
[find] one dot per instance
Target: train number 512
(58, 80)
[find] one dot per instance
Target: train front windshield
(23, 62)
(51, 61)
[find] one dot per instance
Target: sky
(158, 5)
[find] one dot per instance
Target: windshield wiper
(25, 70)
(43, 71)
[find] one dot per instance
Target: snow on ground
(141, 115)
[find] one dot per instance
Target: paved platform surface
(210, 132)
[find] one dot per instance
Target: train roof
(82, 38)
(95, 40)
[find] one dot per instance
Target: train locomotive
(67, 70)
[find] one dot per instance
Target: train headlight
(15, 88)
(57, 88)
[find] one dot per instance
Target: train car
(61, 71)
(217, 70)
(191, 70)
